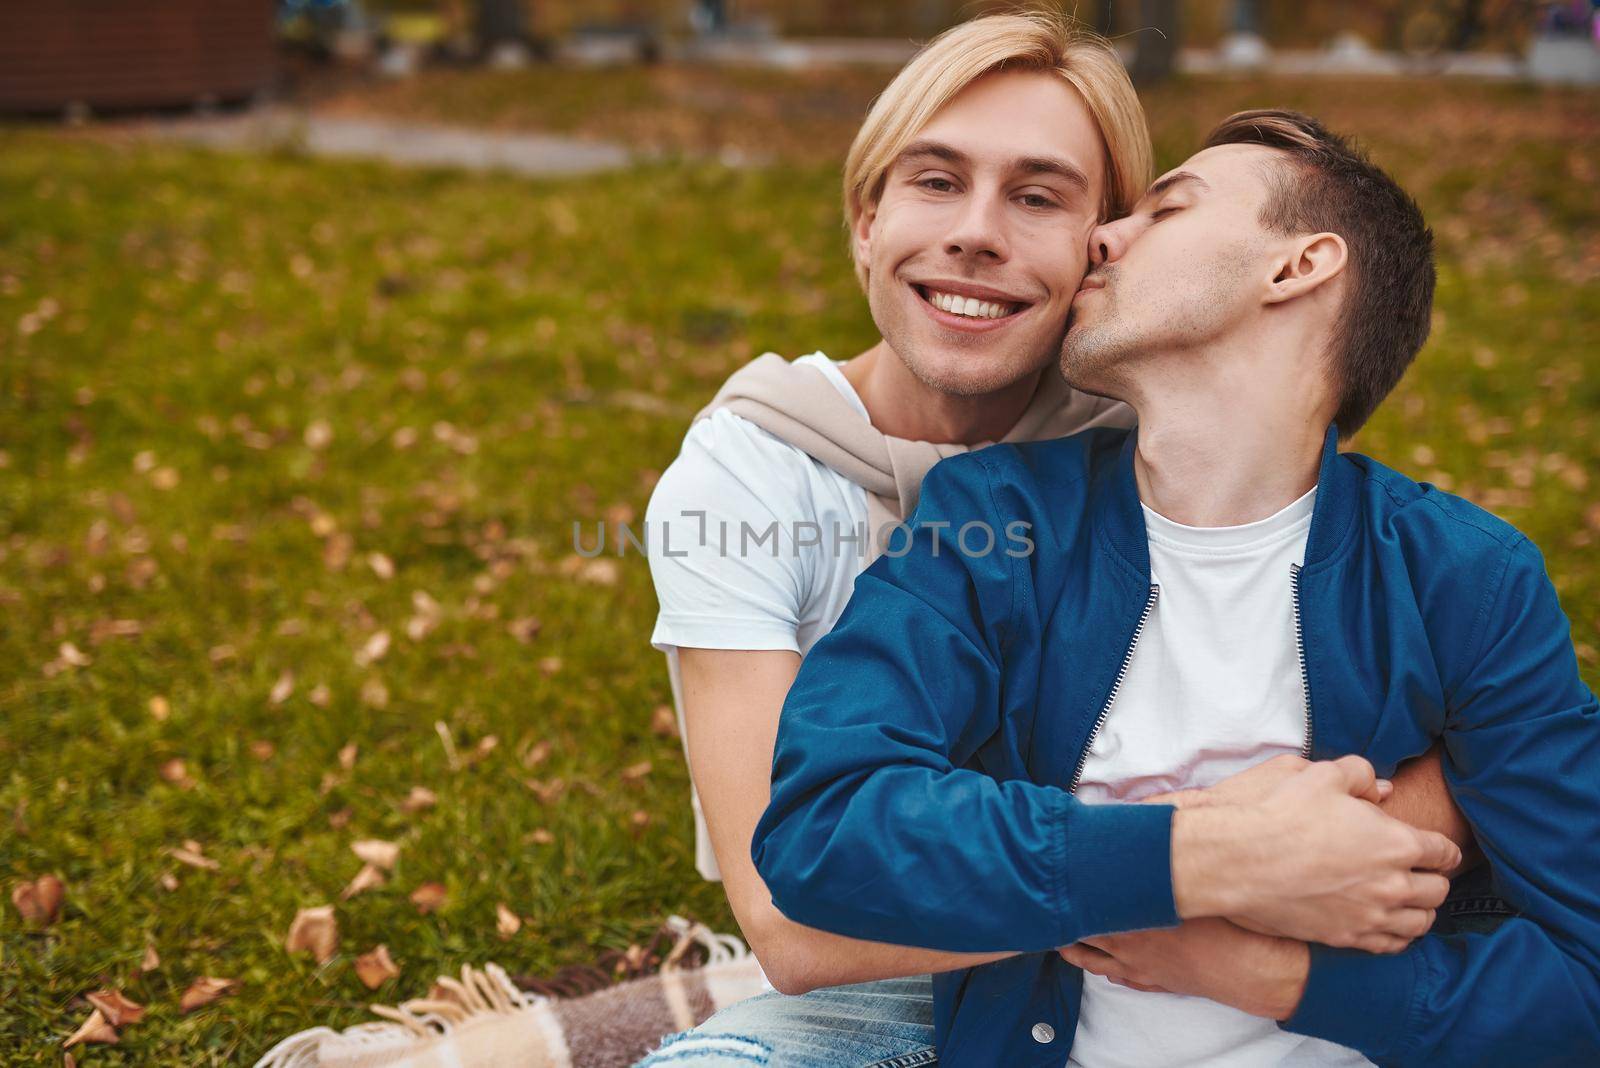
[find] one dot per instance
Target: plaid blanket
(581, 1018)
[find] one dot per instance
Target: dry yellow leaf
(116, 1007)
(193, 857)
(419, 799)
(374, 968)
(506, 923)
(203, 991)
(314, 930)
(664, 722)
(366, 879)
(429, 897)
(39, 901)
(281, 689)
(160, 708)
(377, 852)
(95, 1029)
(375, 648)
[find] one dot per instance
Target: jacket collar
(1120, 520)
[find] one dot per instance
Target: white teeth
(968, 306)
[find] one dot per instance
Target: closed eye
(1162, 213)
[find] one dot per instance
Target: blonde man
(970, 192)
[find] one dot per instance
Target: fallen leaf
(419, 799)
(549, 665)
(70, 655)
(640, 819)
(600, 572)
(525, 629)
(375, 693)
(377, 852)
(664, 722)
(429, 897)
(381, 565)
(118, 1010)
(547, 791)
(507, 923)
(367, 878)
(151, 960)
(192, 857)
(540, 836)
(203, 991)
(635, 772)
(347, 756)
(168, 881)
(39, 901)
(374, 968)
(160, 709)
(319, 435)
(262, 749)
(314, 930)
(176, 772)
(374, 649)
(95, 1029)
(320, 695)
(281, 689)
(535, 754)
(164, 478)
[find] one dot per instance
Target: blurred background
(320, 326)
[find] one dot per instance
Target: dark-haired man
(955, 761)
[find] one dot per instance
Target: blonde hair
(963, 54)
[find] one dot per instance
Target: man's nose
(979, 229)
(1105, 244)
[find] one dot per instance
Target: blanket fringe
(453, 1003)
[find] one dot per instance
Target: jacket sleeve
(1522, 744)
(877, 830)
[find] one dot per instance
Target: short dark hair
(1327, 183)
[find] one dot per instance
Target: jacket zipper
(1122, 673)
(1300, 648)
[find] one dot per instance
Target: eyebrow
(1174, 179)
(1055, 165)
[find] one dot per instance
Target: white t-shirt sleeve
(724, 563)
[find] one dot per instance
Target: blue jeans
(883, 1024)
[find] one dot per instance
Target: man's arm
(1522, 745)
(731, 701)
(876, 828)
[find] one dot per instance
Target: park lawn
(226, 383)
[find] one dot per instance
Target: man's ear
(861, 232)
(1307, 264)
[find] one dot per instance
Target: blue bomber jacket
(928, 750)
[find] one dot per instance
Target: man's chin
(967, 374)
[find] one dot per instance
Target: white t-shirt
(1214, 686)
(725, 577)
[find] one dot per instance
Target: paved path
(402, 143)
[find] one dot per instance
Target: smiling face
(979, 239)
(1190, 265)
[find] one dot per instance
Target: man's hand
(1209, 958)
(1253, 784)
(1312, 859)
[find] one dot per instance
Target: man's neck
(903, 406)
(1224, 453)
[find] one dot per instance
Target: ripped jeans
(882, 1024)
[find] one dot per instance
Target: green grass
(171, 315)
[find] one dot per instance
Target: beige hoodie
(799, 405)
